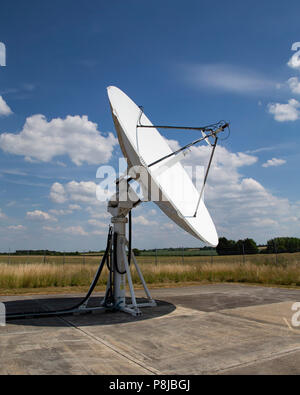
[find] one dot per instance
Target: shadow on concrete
(101, 317)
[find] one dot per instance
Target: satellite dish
(144, 146)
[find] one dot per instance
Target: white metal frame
(133, 308)
(119, 211)
(119, 226)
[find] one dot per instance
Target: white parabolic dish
(143, 146)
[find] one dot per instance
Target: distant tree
(247, 246)
(283, 244)
(231, 247)
(136, 251)
(227, 247)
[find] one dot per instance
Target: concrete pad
(53, 350)
(287, 364)
(211, 329)
(276, 314)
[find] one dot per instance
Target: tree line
(283, 244)
(225, 247)
(41, 252)
(249, 246)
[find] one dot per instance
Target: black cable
(129, 237)
(109, 301)
(78, 305)
(98, 273)
(109, 260)
(116, 255)
(228, 134)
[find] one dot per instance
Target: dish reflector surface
(143, 146)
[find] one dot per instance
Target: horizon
(144, 249)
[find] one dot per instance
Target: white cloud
(76, 231)
(153, 212)
(30, 160)
(60, 212)
(54, 229)
(4, 108)
(99, 232)
(71, 230)
(225, 163)
(11, 203)
(74, 136)
(83, 192)
(266, 222)
(228, 78)
(141, 220)
(57, 193)
(62, 164)
(241, 206)
(14, 172)
(97, 224)
(274, 162)
(169, 226)
(97, 211)
(28, 87)
(40, 215)
(2, 215)
(294, 85)
(17, 227)
(262, 149)
(174, 144)
(251, 185)
(74, 207)
(285, 112)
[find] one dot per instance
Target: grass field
(179, 252)
(260, 259)
(24, 273)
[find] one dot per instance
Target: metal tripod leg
(147, 292)
(133, 308)
(146, 289)
(106, 292)
(121, 270)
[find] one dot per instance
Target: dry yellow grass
(282, 259)
(46, 275)
(224, 272)
(195, 269)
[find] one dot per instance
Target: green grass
(178, 252)
(259, 259)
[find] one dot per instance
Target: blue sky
(187, 63)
